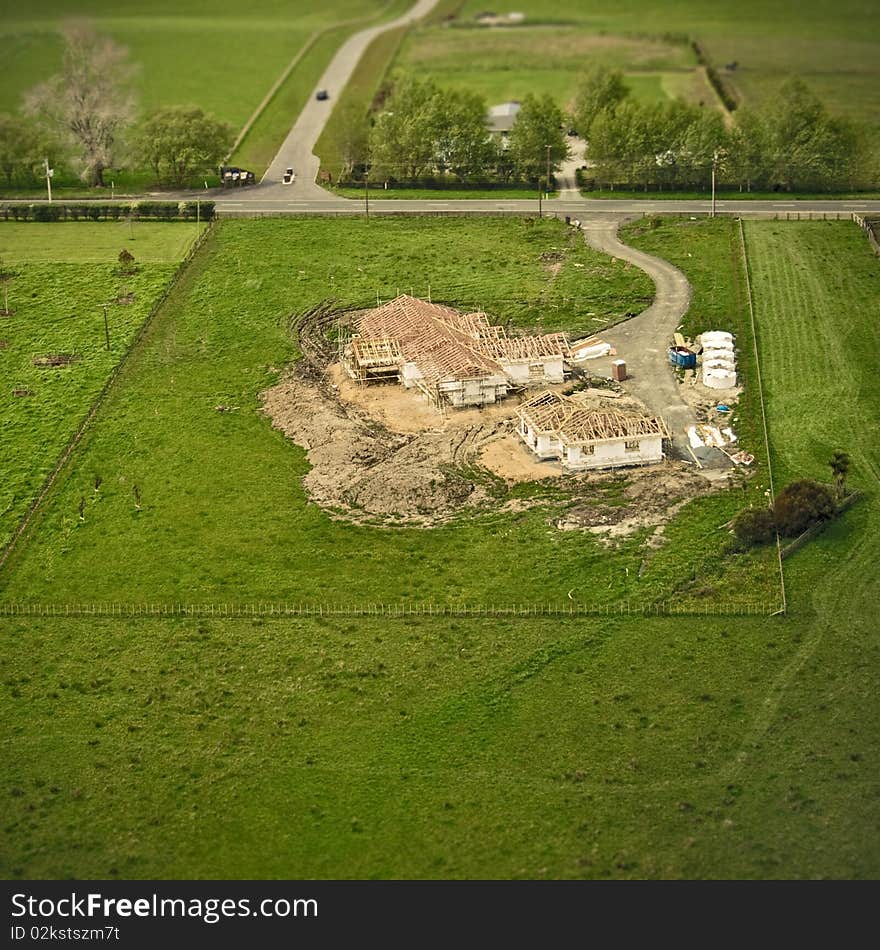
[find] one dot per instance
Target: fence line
(98, 401)
(742, 237)
(865, 225)
(816, 529)
(234, 610)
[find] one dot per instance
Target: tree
(402, 141)
(755, 526)
(600, 89)
(538, 124)
(461, 142)
(179, 142)
(839, 469)
(89, 103)
(801, 504)
(428, 130)
(21, 149)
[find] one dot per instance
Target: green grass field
(834, 49)
(239, 53)
(224, 338)
(65, 273)
(722, 747)
(504, 64)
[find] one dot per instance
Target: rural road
(297, 150)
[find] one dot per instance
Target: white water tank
(719, 378)
(715, 337)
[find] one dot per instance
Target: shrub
(755, 526)
(801, 504)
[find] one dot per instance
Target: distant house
(501, 118)
(455, 359)
(559, 427)
(500, 19)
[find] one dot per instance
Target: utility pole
(548, 167)
(716, 155)
(106, 327)
(49, 173)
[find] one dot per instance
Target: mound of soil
(381, 453)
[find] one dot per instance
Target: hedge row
(97, 211)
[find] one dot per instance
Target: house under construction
(559, 427)
(456, 359)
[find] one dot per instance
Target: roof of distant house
(501, 118)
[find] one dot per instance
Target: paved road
(298, 147)
(282, 199)
(642, 340)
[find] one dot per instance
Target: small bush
(755, 526)
(802, 504)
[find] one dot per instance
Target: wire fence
(385, 610)
(98, 401)
(746, 270)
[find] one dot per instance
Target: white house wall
(614, 454)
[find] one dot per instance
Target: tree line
(85, 119)
(426, 131)
(792, 142)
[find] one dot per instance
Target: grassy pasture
(221, 57)
(65, 273)
(833, 48)
(506, 64)
(725, 747)
(223, 339)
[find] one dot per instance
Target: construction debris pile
(454, 359)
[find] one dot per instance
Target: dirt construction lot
(383, 454)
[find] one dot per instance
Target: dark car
(322, 94)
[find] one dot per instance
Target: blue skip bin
(682, 357)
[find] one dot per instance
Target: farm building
(502, 118)
(558, 427)
(455, 359)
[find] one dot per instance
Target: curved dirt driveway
(643, 340)
(296, 152)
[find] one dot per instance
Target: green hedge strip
(97, 211)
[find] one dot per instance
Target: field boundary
(742, 237)
(98, 401)
(397, 610)
(865, 225)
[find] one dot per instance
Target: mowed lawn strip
(64, 274)
(224, 515)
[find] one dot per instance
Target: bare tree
(90, 101)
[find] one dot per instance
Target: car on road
(322, 94)
(289, 177)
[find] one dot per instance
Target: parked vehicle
(232, 176)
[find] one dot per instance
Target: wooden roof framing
(574, 424)
(446, 344)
